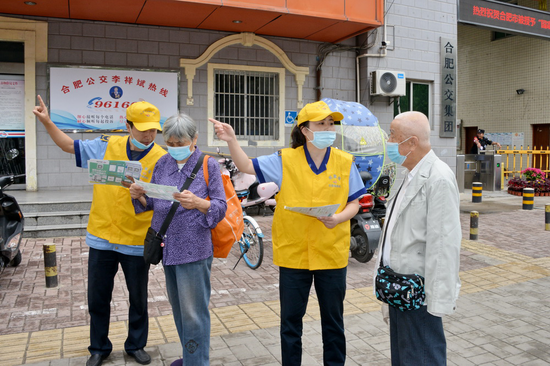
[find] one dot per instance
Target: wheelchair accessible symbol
(290, 118)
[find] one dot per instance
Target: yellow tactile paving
(261, 314)
(168, 328)
(216, 326)
(72, 342)
(155, 334)
(492, 252)
(17, 345)
(12, 360)
(81, 352)
(45, 345)
(542, 262)
(117, 334)
(235, 319)
(360, 300)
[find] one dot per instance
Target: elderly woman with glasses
(188, 250)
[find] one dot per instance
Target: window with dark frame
(500, 35)
(416, 99)
(249, 102)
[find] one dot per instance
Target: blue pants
(330, 287)
(188, 287)
(417, 338)
(102, 269)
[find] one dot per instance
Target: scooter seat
(241, 194)
(365, 176)
(5, 181)
(254, 191)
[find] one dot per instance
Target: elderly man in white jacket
(423, 236)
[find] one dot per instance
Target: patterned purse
(404, 292)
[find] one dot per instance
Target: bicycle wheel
(251, 243)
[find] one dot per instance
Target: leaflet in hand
(112, 172)
(158, 190)
(318, 211)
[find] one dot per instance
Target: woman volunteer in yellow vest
(308, 249)
(115, 233)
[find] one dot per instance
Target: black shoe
(95, 360)
(141, 356)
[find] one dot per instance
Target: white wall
(416, 27)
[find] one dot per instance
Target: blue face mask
(392, 149)
(323, 139)
(179, 153)
(139, 145)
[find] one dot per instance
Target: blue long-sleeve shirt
(188, 238)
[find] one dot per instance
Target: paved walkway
(503, 315)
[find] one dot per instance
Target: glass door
(12, 105)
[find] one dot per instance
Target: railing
(515, 160)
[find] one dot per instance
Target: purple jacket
(188, 238)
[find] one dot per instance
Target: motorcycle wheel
(361, 253)
(16, 260)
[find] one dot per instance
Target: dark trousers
(294, 288)
(102, 269)
(417, 338)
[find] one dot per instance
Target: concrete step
(54, 231)
(56, 218)
(58, 206)
(54, 213)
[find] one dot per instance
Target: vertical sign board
(447, 127)
(94, 99)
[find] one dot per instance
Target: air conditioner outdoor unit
(388, 83)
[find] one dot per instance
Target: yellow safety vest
(304, 242)
(112, 216)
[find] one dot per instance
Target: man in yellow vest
(115, 233)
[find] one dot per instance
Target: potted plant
(537, 180)
(516, 185)
(533, 174)
(531, 178)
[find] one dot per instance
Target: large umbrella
(361, 135)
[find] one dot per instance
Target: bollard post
(477, 191)
(50, 265)
(474, 222)
(528, 198)
(547, 217)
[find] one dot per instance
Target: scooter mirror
(12, 154)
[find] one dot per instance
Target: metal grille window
(248, 101)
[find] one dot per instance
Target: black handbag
(152, 247)
(154, 241)
(402, 291)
